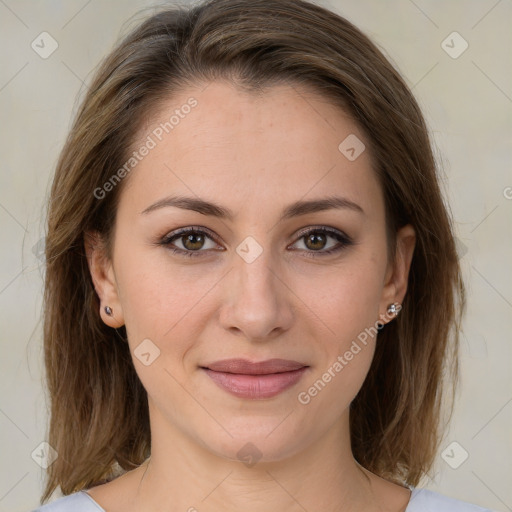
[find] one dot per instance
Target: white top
(422, 500)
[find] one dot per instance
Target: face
(262, 281)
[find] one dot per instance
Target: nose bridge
(256, 273)
(256, 302)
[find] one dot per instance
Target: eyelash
(343, 239)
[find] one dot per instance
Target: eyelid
(320, 227)
(190, 229)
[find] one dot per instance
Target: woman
(252, 289)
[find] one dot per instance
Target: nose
(257, 302)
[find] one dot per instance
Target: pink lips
(246, 379)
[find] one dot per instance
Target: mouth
(255, 380)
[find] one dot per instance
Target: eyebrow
(293, 210)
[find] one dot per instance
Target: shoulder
(423, 500)
(77, 502)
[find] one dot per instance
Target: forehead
(251, 150)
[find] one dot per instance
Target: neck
(181, 474)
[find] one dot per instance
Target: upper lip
(246, 367)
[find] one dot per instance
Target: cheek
(148, 288)
(345, 299)
(162, 301)
(160, 312)
(347, 306)
(350, 311)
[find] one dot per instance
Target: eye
(315, 240)
(192, 240)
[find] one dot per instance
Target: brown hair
(99, 412)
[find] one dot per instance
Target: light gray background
(468, 105)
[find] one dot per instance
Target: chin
(257, 440)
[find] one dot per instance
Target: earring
(108, 310)
(394, 309)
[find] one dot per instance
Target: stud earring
(108, 310)
(394, 309)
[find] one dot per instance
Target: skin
(254, 155)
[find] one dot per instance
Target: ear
(103, 277)
(397, 273)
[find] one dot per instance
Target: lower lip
(256, 386)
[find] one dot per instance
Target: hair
(99, 421)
